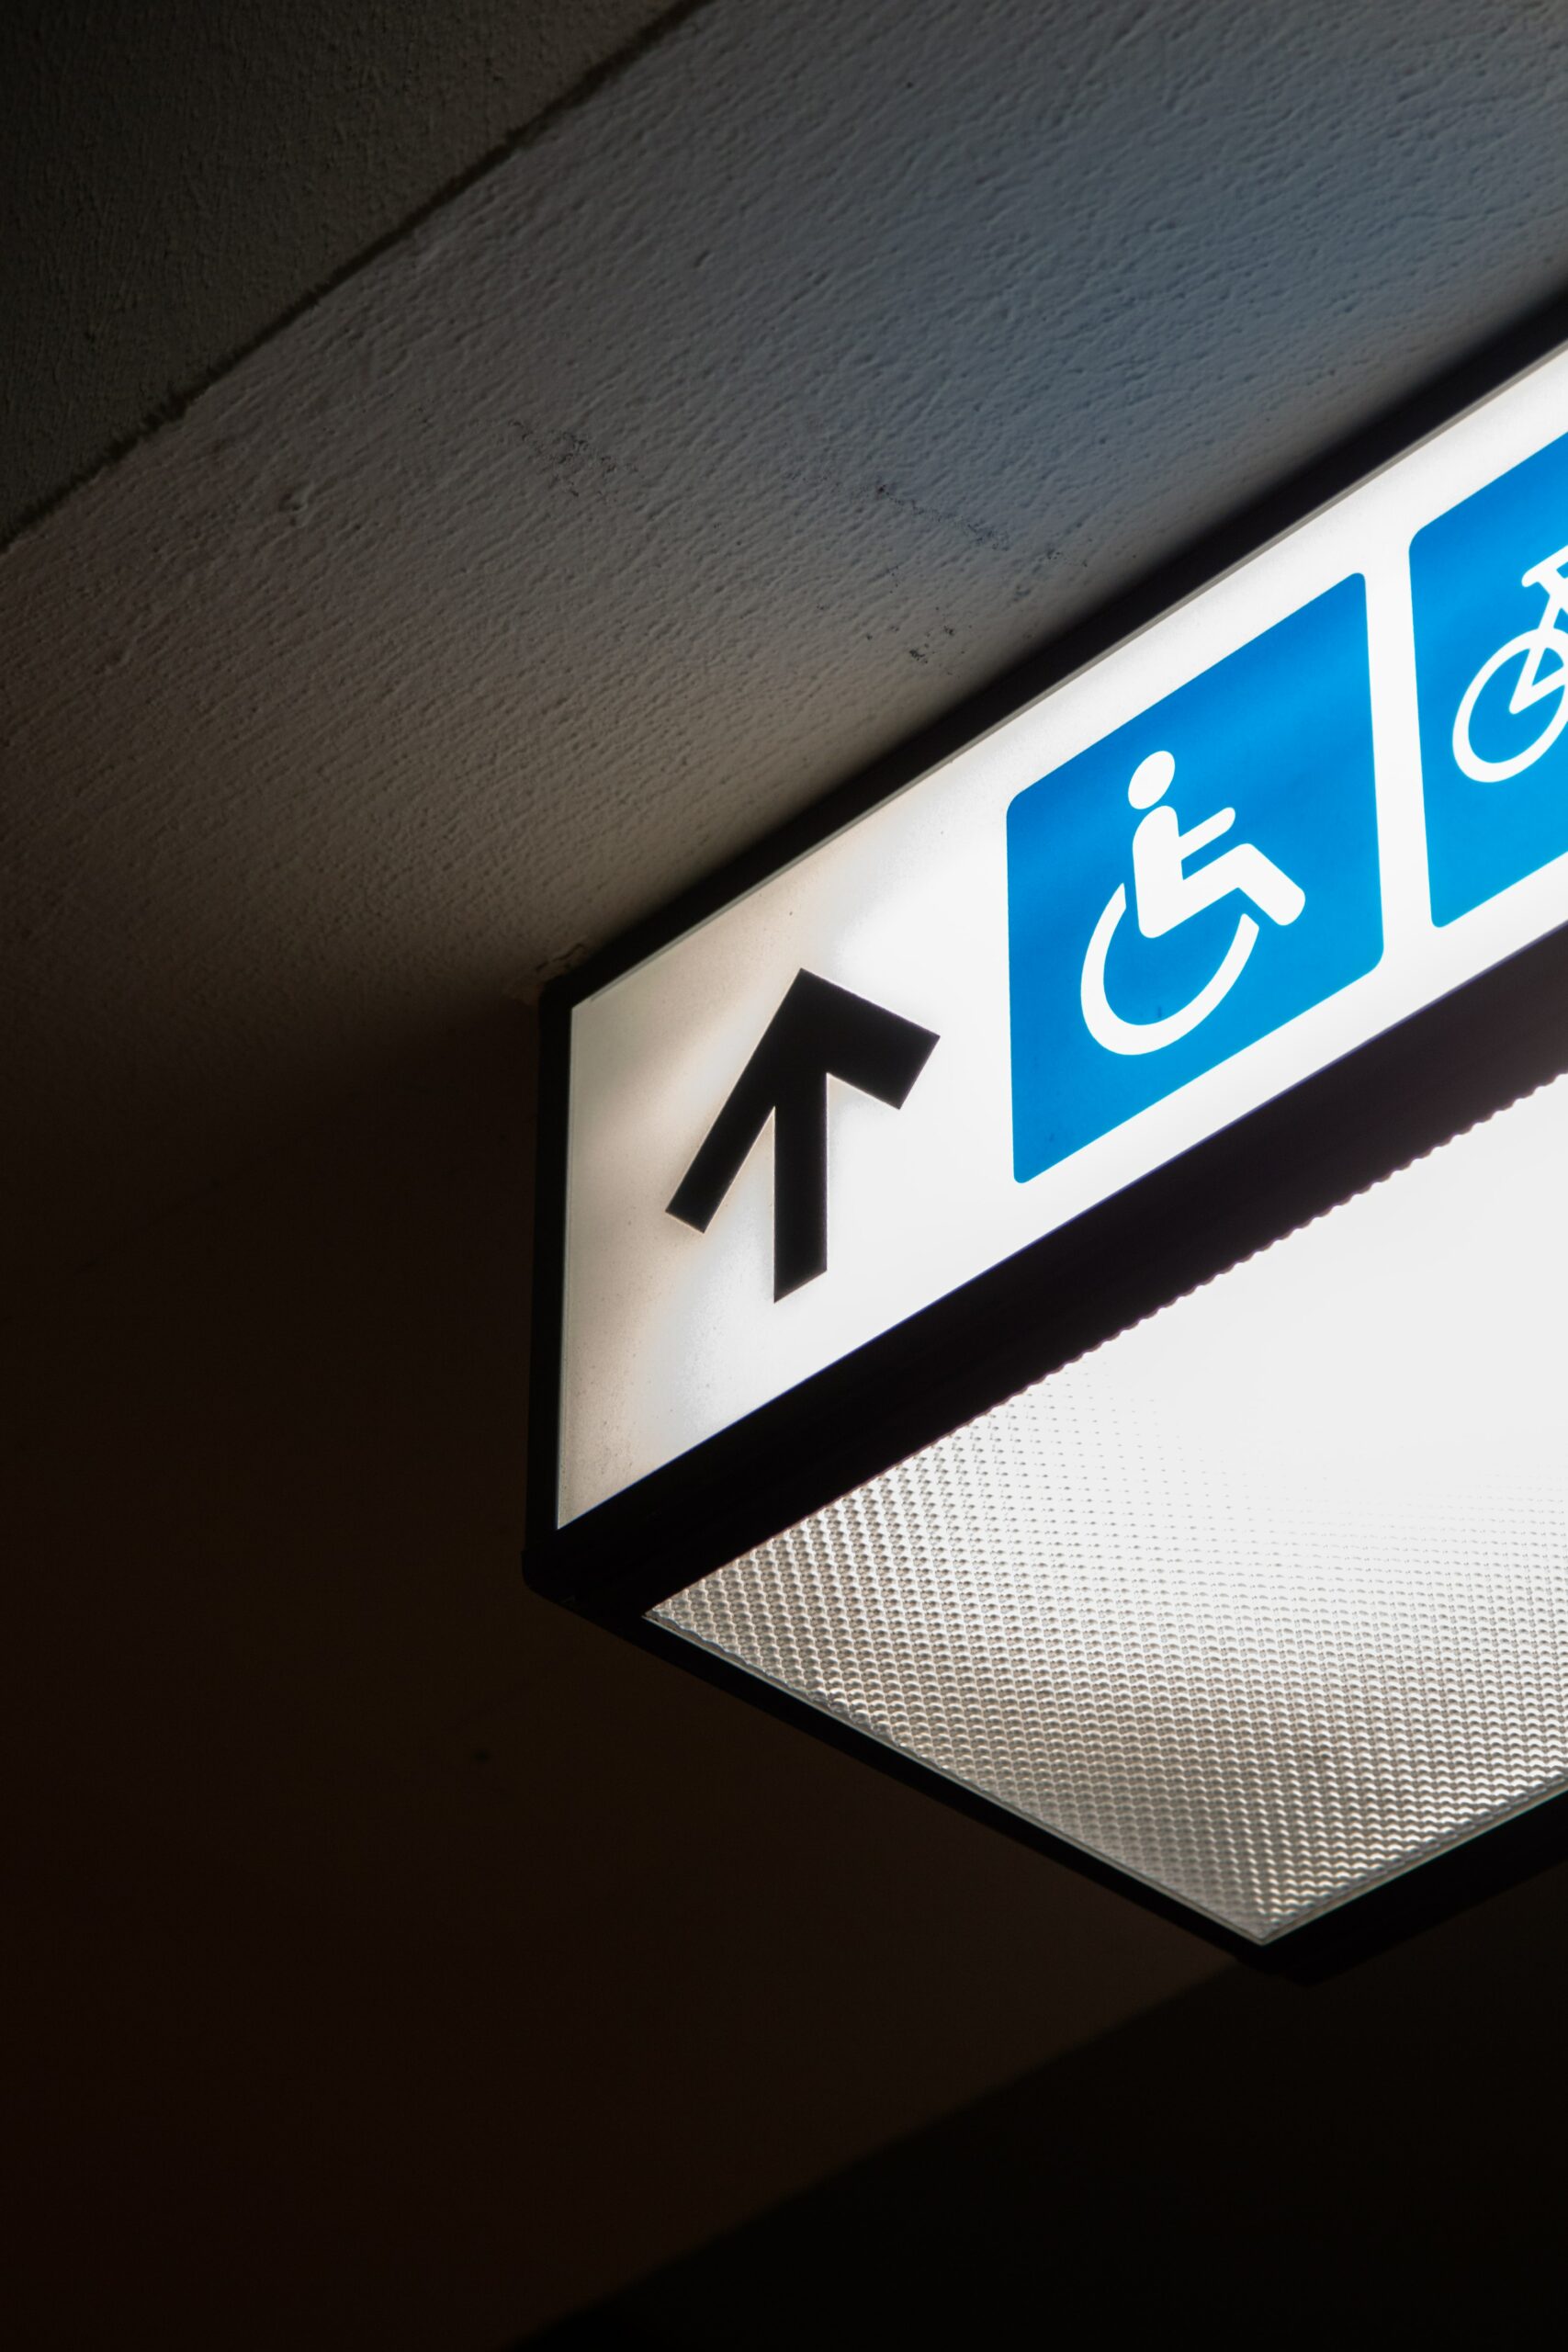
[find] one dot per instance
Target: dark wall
(1254, 2161)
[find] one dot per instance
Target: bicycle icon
(1166, 894)
(1537, 684)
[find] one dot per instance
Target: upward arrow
(818, 1032)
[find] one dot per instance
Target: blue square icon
(1193, 881)
(1489, 589)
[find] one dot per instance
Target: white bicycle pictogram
(1166, 894)
(1533, 648)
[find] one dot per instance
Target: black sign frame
(1391, 1099)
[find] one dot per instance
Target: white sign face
(1326, 790)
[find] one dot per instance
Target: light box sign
(1320, 793)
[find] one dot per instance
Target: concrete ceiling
(773, 390)
(176, 180)
(808, 373)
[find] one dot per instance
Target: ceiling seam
(177, 403)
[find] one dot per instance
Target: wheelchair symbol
(1166, 896)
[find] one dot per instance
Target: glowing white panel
(1358, 679)
(1264, 1600)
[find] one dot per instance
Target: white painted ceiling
(813, 367)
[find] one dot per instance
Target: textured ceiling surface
(173, 179)
(812, 372)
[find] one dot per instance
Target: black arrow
(818, 1032)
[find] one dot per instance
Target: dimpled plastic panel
(1264, 1600)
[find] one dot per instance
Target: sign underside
(1266, 1599)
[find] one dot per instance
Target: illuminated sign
(918, 1106)
(1372, 708)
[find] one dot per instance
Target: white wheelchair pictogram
(1542, 655)
(1166, 894)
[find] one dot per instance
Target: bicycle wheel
(1517, 649)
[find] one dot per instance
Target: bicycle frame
(1549, 577)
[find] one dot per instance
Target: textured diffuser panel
(1264, 1600)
